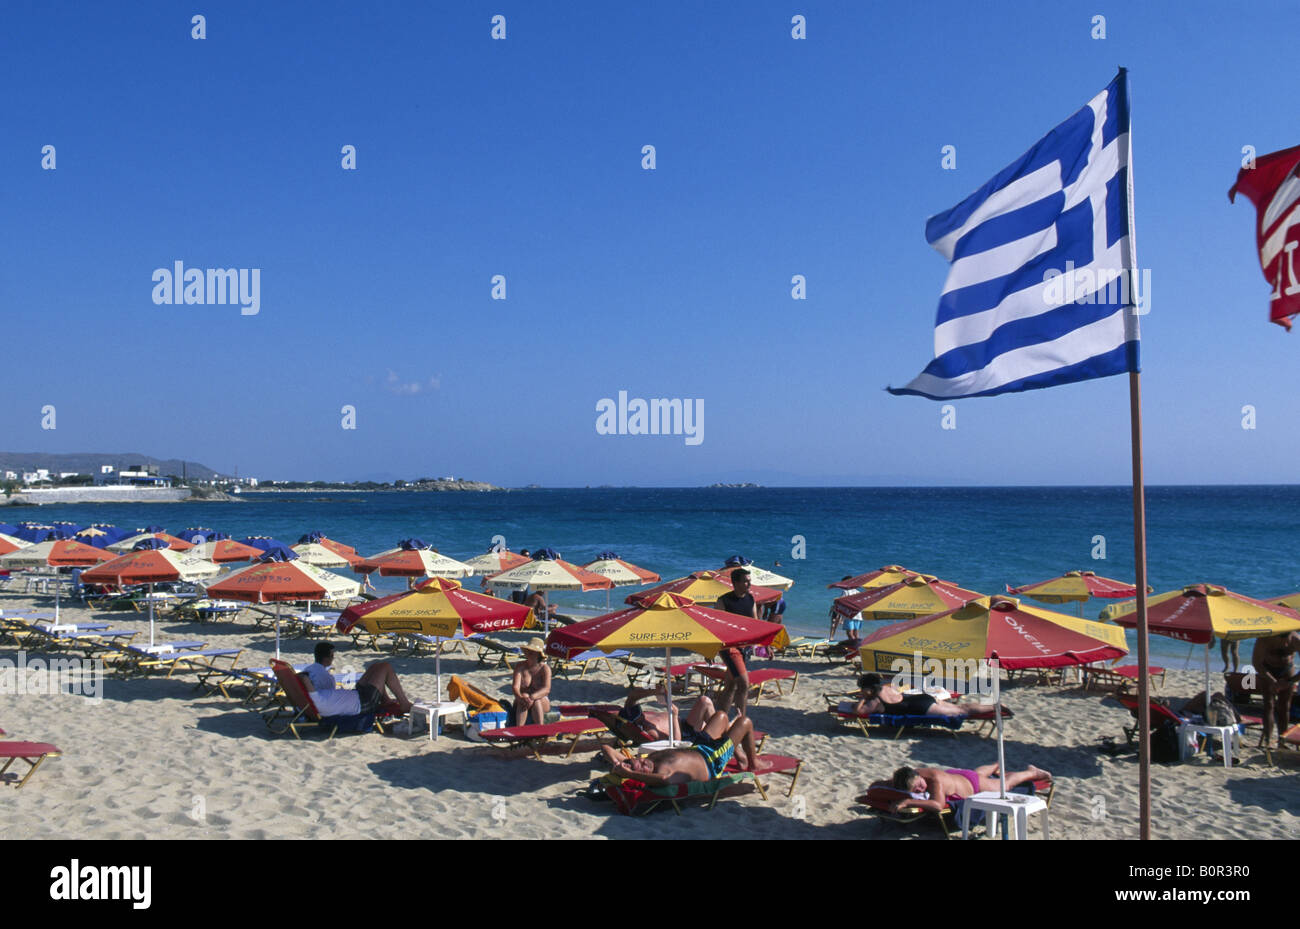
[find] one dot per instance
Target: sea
(982, 538)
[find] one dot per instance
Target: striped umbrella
(998, 630)
(1075, 587)
(920, 595)
(149, 566)
(881, 577)
(280, 581)
(173, 542)
(620, 573)
(437, 607)
(1202, 612)
(224, 551)
(315, 553)
(10, 543)
(668, 621)
(413, 561)
(702, 587)
(496, 562)
(60, 553)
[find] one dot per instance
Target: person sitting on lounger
(531, 684)
(875, 696)
(376, 683)
(655, 725)
(934, 789)
(703, 761)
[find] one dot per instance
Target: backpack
(1164, 742)
(1221, 712)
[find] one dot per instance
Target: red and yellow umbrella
(437, 607)
(701, 587)
(1074, 586)
(881, 577)
(920, 595)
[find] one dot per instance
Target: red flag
(1273, 185)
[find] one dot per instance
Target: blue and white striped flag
(1040, 289)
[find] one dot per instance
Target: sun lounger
(535, 736)
(759, 679)
(628, 735)
(633, 798)
(587, 660)
(107, 643)
(140, 659)
(498, 654)
(880, 797)
(807, 646)
(771, 764)
(1122, 678)
(302, 711)
(984, 715)
(30, 753)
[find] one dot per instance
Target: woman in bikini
(875, 696)
(531, 685)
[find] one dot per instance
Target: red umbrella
(881, 577)
(702, 587)
(147, 566)
(223, 551)
(920, 595)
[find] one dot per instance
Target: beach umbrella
(547, 573)
(223, 551)
(197, 535)
(758, 577)
(412, 558)
(620, 573)
(319, 538)
(669, 621)
(277, 582)
(493, 562)
(702, 587)
(36, 532)
(1201, 613)
(149, 566)
(881, 577)
(7, 529)
(999, 630)
(322, 557)
(436, 607)
(130, 542)
(263, 542)
(919, 595)
(57, 553)
(1075, 587)
(9, 543)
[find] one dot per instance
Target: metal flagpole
(1140, 559)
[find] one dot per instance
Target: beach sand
(160, 759)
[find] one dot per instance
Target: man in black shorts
(331, 700)
(735, 687)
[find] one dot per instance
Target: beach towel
(472, 697)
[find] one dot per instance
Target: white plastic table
(647, 747)
(1228, 735)
(434, 712)
(1016, 806)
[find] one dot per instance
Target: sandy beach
(161, 759)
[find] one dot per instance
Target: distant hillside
(88, 463)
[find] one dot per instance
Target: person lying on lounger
(656, 725)
(875, 696)
(703, 761)
(933, 789)
(378, 681)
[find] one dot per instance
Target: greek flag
(1041, 289)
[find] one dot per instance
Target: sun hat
(535, 644)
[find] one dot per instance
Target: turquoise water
(980, 538)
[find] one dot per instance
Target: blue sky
(522, 157)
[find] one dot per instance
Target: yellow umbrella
(919, 595)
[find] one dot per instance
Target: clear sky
(523, 157)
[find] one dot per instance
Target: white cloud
(395, 385)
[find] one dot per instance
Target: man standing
(1274, 664)
(735, 686)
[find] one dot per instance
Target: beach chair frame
(34, 750)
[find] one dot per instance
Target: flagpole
(1140, 559)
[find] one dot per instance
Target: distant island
(425, 484)
(730, 486)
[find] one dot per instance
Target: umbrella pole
(1207, 678)
(673, 730)
(997, 704)
(277, 630)
(437, 670)
(151, 614)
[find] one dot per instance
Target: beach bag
(1221, 712)
(1164, 742)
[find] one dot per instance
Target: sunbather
(378, 681)
(934, 789)
(875, 696)
(531, 685)
(656, 724)
(703, 761)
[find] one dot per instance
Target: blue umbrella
(144, 544)
(263, 542)
(278, 552)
